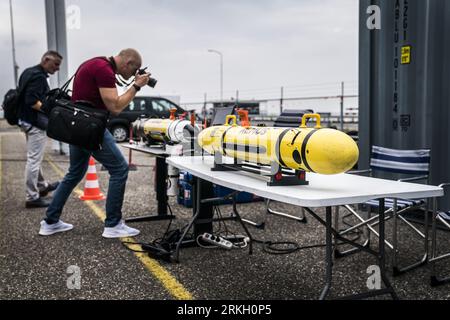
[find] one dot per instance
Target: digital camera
(151, 82)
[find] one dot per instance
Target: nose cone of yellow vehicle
(204, 138)
(331, 152)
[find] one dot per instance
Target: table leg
(328, 254)
(382, 256)
(394, 240)
(161, 185)
(203, 190)
(161, 194)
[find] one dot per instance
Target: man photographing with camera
(95, 83)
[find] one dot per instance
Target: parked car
(141, 107)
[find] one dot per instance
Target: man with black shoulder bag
(33, 86)
(94, 90)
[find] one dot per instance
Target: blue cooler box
(185, 192)
(185, 189)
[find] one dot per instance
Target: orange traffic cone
(91, 187)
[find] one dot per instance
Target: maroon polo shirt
(92, 75)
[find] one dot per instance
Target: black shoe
(38, 203)
(51, 187)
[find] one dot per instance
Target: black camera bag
(77, 123)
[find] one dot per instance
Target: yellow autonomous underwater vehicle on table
(170, 131)
(319, 150)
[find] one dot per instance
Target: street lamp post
(221, 72)
(16, 67)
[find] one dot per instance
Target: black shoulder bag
(77, 123)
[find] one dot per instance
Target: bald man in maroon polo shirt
(95, 82)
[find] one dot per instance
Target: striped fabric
(445, 215)
(400, 161)
(401, 204)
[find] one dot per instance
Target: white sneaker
(120, 231)
(49, 229)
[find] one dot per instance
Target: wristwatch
(136, 87)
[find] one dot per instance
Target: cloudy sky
(307, 46)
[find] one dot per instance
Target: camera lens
(152, 82)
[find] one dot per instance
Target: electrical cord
(124, 243)
(271, 247)
(241, 245)
(171, 237)
(161, 246)
(227, 234)
(221, 222)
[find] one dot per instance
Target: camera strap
(113, 63)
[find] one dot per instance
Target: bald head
(131, 55)
(128, 61)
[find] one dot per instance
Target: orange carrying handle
(172, 114)
(243, 116)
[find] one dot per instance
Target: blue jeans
(113, 160)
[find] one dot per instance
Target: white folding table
(322, 191)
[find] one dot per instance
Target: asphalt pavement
(80, 264)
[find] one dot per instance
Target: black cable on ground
(161, 248)
(288, 247)
(166, 243)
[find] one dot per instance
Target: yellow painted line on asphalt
(175, 288)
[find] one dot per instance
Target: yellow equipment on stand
(319, 150)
